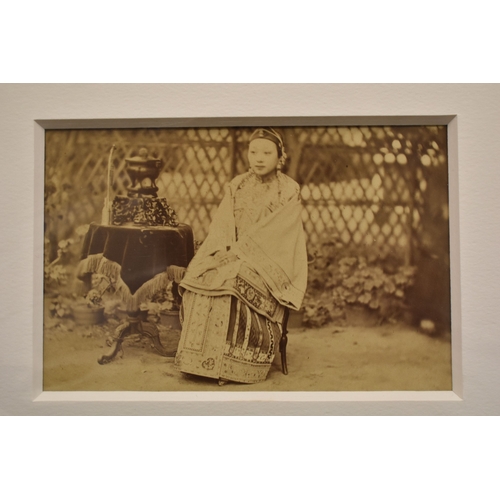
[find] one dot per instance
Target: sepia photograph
(307, 258)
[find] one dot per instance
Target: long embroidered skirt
(223, 338)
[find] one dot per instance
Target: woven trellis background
(363, 186)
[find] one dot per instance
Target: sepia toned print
(235, 259)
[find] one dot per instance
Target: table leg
(150, 330)
(135, 325)
(121, 332)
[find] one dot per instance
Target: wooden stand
(135, 324)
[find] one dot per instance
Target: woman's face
(263, 157)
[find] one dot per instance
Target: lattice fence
(356, 195)
(360, 186)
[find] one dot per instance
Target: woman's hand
(223, 257)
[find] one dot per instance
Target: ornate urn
(143, 172)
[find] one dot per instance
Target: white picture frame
(463, 108)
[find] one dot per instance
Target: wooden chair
(284, 341)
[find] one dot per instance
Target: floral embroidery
(208, 364)
(256, 198)
(255, 297)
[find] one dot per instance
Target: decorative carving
(143, 212)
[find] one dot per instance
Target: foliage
(57, 273)
(60, 307)
(160, 302)
(59, 284)
(361, 283)
(339, 278)
(100, 285)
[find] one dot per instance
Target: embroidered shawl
(271, 253)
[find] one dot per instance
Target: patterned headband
(271, 135)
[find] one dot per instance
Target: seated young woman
(251, 266)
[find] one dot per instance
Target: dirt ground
(392, 357)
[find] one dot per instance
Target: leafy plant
(94, 297)
(159, 303)
(369, 285)
(57, 272)
(60, 307)
(338, 280)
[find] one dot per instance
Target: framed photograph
(277, 258)
(374, 316)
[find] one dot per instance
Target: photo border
(450, 121)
